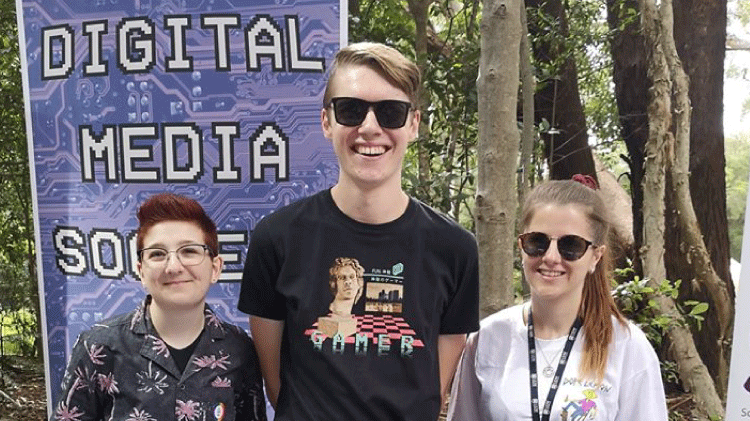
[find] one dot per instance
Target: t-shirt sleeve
(461, 313)
(642, 392)
(466, 389)
(258, 295)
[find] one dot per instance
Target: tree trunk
(700, 36)
(631, 81)
(558, 101)
(528, 87)
(656, 27)
(497, 89)
(418, 9)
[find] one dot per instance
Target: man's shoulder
(305, 207)
(441, 225)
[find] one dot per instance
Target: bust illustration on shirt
(346, 282)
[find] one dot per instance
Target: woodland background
(628, 91)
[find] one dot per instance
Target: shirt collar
(141, 321)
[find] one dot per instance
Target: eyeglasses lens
(189, 255)
(570, 247)
(391, 114)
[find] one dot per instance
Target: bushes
(17, 333)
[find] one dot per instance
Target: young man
(420, 267)
(172, 357)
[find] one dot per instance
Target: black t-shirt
(181, 356)
(418, 279)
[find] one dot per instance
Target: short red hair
(164, 207)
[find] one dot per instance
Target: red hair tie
(586, 180)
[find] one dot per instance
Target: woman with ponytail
(568, 353)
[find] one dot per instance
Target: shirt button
(182, 387)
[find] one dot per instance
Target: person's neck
(370, 206)
(178, 328)
(552, 321)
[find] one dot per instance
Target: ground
(22, 393)
(23, 398)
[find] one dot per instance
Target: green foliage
(17, 332)
(587, 44)
(743, 11)
(450, 100)
(636, 299)
(737, 171)
(18, 288)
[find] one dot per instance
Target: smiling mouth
(175, 283)
(370, 150)
(551, 273)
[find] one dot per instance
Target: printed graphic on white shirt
(580, 407)
(381, 328)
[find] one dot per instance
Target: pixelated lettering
(317, 337)
(361, 341)
(221, 24)
(191, 135)
(135, 45)
(108, 254)
(384, 344)
(338, 343)
(406, 345)
(179, 60)
(57, 52)
(95, 66)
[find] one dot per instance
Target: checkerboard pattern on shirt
(373, 325)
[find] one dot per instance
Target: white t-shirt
(492, 381)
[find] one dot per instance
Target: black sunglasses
(390, 113)
(571, 247)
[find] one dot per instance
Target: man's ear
(325, 123)
(414, 127)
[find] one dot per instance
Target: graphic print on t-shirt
(385, 331)
(581, 407)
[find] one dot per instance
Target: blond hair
(386, 61)
(597, 304)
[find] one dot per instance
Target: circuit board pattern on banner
(238, 132)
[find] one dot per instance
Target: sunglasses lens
(350, 111)
(572, 247)
(535, 244)
(391, 114)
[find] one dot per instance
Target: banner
(738, 390)
(216, 100)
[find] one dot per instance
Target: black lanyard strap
(533, 378)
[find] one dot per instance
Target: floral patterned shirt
(121, 370)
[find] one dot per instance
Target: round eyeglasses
(188, 255)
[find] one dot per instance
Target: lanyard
(558, 374)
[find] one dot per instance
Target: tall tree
(700, 36)
(668, 79)
(558, 100)
(629, 73)
(419, 12)
(496, 200)
(449, 110)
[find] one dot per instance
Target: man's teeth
(370, 150)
